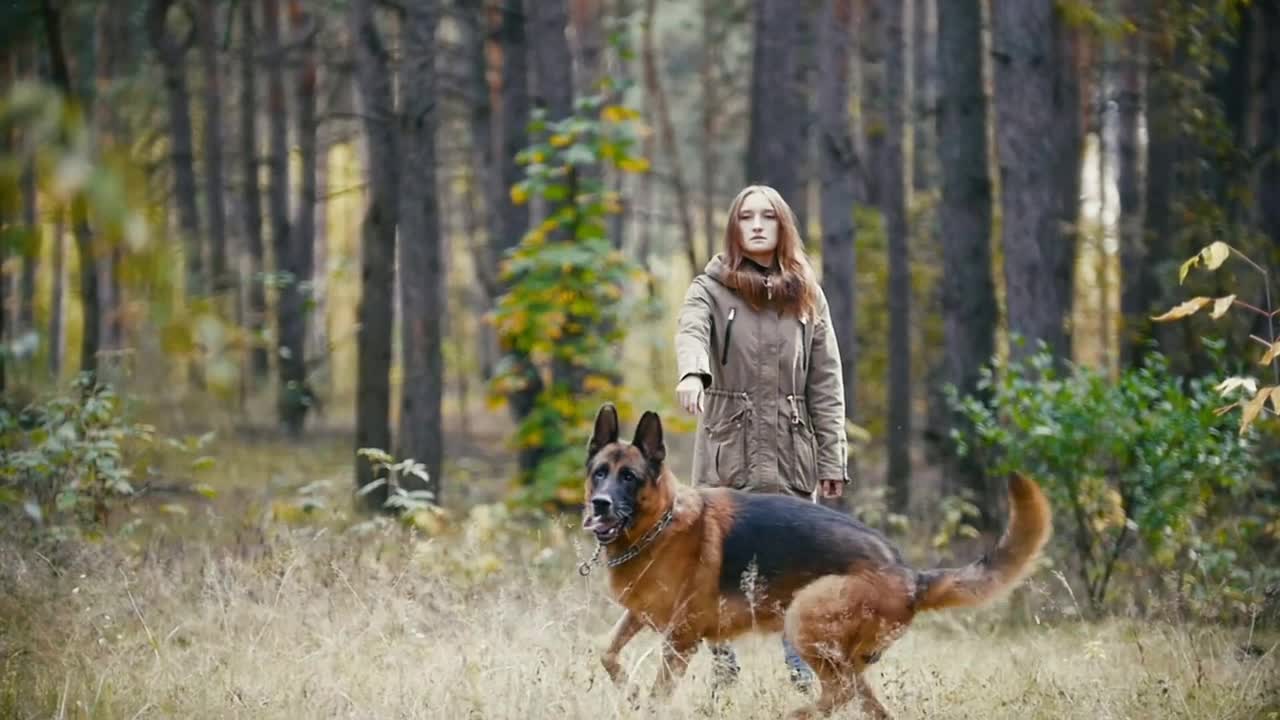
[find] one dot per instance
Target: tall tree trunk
(655, 93)
(1268, 192)
(484, 123)
(79, 204)
(291, 403)
(1037, 120)
(514, 137)
(172, 56)
(968, 290)
(422, 276)
(30, 258)
(259, 364)
(710, 111)
(778, 139)
(619, 221)
(375, 313)
(925, 146)
(114, 52)
(873, 36)
(1135, 293)
(301, 255)
(207, 30)
(838, 165)
(895, 199)
(57, 298)
(552, 61)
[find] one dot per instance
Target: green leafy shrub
(64, 458)
(1145, 475)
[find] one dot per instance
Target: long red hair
(794, 286)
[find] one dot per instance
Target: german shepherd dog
(700, 564)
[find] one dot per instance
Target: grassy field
(269, 600)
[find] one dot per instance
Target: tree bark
(837, 197)
(172, 56)
(896, 193)
(90, 312)
(514, 137)
(375, 312)
(259, 364)
(710, 111)
(31, 258)
(1037, 119)
(207, 32)
(1135, 293)
(422, 276)
(57, 299)
(553, 63)
(1268, 192)
(654, 91)
(302, 235)
(873, 38)
(924, 151)
(290, 358)
(778, 139)
(968, 289)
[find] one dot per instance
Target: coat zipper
(728, 328)
(804, 346)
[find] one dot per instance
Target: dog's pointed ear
(606, 430)
(649, 438)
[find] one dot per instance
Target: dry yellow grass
(366, 622)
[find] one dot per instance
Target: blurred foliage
(565, 306)
(1146, 477)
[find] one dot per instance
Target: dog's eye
(628, 476)
(600, 474)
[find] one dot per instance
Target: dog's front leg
(676, 654)
(623, 630)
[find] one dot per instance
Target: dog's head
(622, 479)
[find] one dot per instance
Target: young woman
(758, 363)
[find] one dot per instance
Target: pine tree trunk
(838, 166)
(30, 259)
(895, 199)
(925, 50)
(172, 57)
(514, 137)
(968, 289)
(259, 363)
(291, 400)
(1037, 120)
(375, 313)
(675, 168)
(301, 237)
(1135, 293)
(422, 276)
(207, 30)
(710, 111)
(781, 114)
(57, 300)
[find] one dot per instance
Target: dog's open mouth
(606, 529)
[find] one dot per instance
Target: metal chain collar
(584, 569)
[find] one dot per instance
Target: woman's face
(758, 224)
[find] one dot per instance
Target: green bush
(64, 458)
(1147, 475)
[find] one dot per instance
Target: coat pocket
(802, 476)
(728, 442)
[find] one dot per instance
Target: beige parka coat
(773, 412)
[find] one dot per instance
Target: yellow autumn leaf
(1272, 353)
(1216, 254)
(519, 195)
(1221, 306)
(617, 114)
(1275, 399)
(1253, 407)
(634, 165)
(560, 140)
(1186, 309)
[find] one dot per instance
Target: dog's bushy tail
(978, 583)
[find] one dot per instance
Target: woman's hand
(689, 394)
(832, 488)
